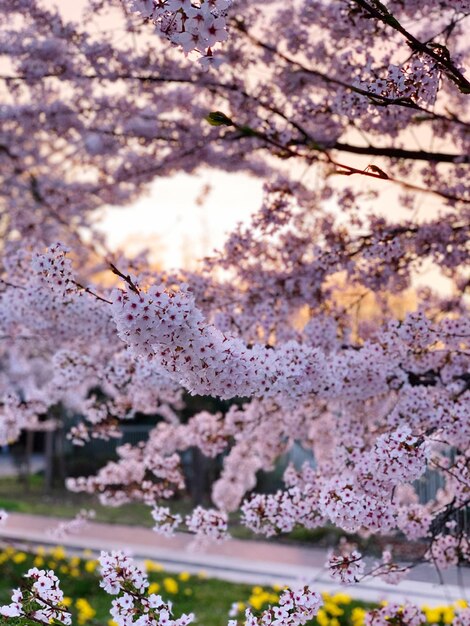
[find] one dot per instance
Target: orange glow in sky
(173, 226)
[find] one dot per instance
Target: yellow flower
(256, 602)
(202, 574)
(433, 614)
(152, 566)
(52, 564)
(184, 576)
(91, 566)
(461, 604)
(170, 584)
(63, 569)
(41, 550)
(333, 609)
(19, 557)
(38, 561)
(154, 588)
(358, 616)
(85, 611)
(341, 598)
(67, 601)
(7, 554)
(111, 622)
(58, 553)
(322, 618)
(436, 614)
(75, 561)
(75, 573)
(260, 597)
(448, 615)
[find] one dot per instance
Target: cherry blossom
(408, 614)
(40, 601)
(335, 320)
(346, 568)
(296, 607)
(207, 524)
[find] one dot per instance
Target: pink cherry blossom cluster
(351, 508)
(192, 26)
(208, 525)
(40, 600)
(282, 511)
(448, 550)
(118, 568)
(73, 526)
(166, 522)
(123, 578)
(16, 415)
(133, 477)
(397, 457)
(296, 607)
(389, 571)
(346, 568)
(406, 615)
(54, 269)
(414, 520)
(461, 617)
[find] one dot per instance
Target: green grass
(213, 598)
(210, 599)
(62, 503)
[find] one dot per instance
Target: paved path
(253, 562)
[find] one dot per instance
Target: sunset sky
(169, 221)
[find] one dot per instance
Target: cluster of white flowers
(40, 601)
(129, 478)
(393, 613)
(123, 578)
(346, 568)
(166, 522)
(207, 524)
(448, 550)
(208, 433)
(397, 457)
(54, 269)
(414, 521)
(195, 26)
(462, 617)
(350, 508)
(391, 572)
(118, 568)
(16, 415)
(73, 526)
(269, 514)
(296, 607)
